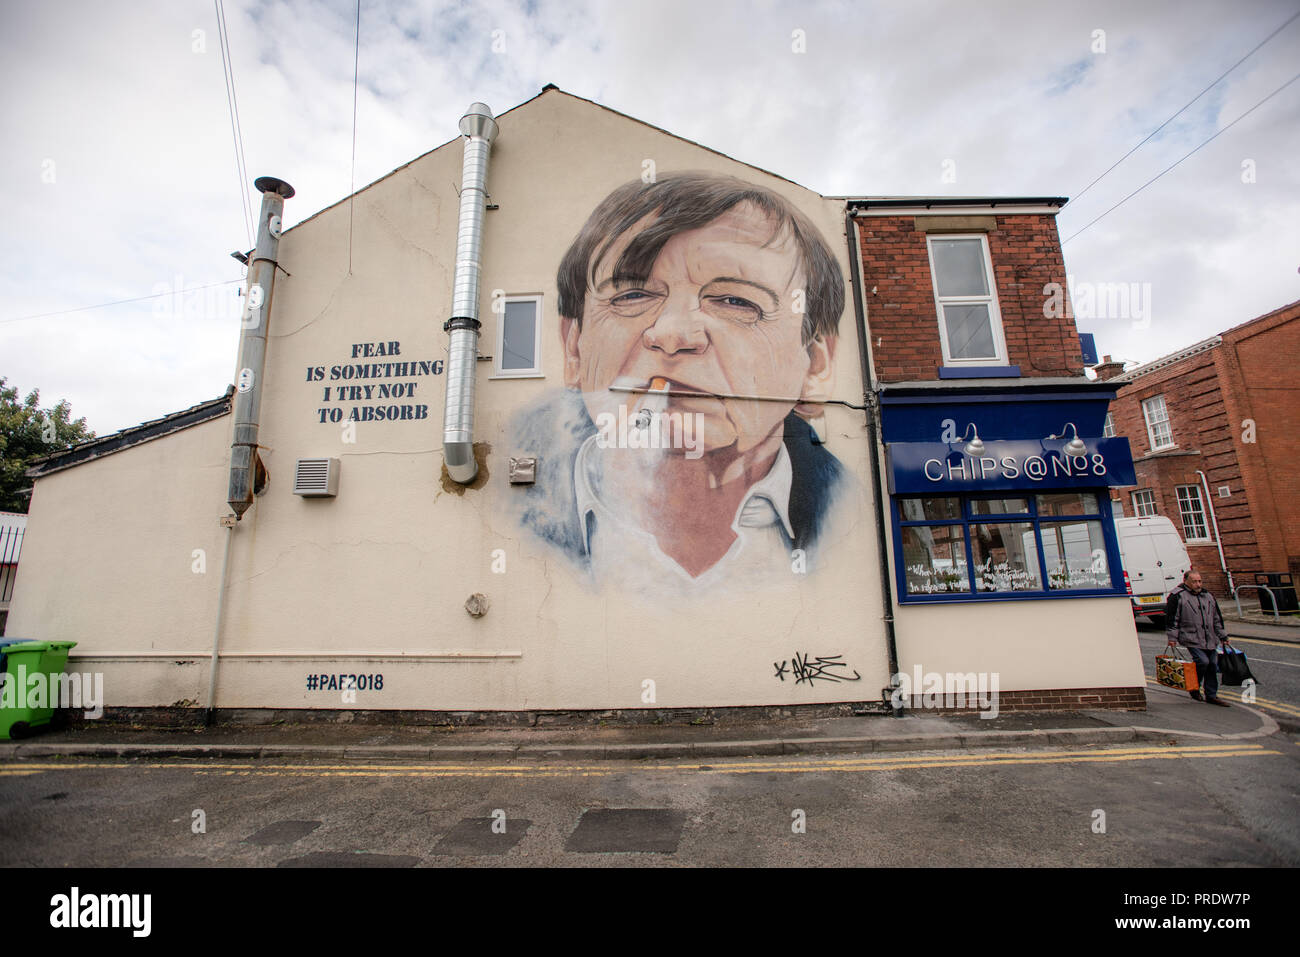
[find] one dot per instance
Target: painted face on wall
(717, 316)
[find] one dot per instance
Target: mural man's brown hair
(683, 202)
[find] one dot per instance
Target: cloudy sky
(118, 175)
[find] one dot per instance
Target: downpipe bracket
(462, 322)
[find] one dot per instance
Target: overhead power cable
(119, 302)
(232, 103)
(1185, 106)
(1185, 156)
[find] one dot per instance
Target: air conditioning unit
(316, 478)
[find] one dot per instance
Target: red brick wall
(902, 316)
(1209, 396)
(1048, 699)
(1199, 423)
(1257, 364)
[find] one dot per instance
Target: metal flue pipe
(246, 469)
(479, 129)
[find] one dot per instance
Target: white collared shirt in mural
(624, 554)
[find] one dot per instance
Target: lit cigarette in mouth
(656, 403)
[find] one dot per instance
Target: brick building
(1215, 432)
(1020, 244)
(997, 466)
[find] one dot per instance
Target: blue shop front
(998, 495)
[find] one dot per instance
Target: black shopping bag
(1233, 667)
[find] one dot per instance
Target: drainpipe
(871, 400)
(1223, 562)
(479, 130)
(216, 630)
(247, 472)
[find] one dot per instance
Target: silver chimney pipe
(480, 129)
(247, 473)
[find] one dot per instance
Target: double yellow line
(1281, 707)
(1262, 641)
(896, 762)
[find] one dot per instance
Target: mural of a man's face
(716, 315)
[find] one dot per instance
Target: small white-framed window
(1144, 503)
(519, 337)
(1108, 430)
(970, 322)
(1192, 512)
(1157, 418)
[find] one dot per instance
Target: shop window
(1192, 511)
(999, 506)
(1157, 417)
(1005, 557)
(1075, 553)
(969, 547)
(1144, 503)
(970, 324)
(919, 509)
(519, 337)
(1057, 504)
(935, 560)
(1108, 430)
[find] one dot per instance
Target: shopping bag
(1175, 672)
(1233, 667)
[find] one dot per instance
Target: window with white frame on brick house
(1108, 430)
(970, 323)
(1192, 511)
(1157, 418)
(1144, 503)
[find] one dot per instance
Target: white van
(1154, 560)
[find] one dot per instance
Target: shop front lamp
(1075, 446)
(975, 447)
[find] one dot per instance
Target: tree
(29, 432)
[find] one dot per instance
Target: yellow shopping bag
(1175, 672)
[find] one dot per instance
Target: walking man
(1193, 620)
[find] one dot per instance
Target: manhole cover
(608, 830)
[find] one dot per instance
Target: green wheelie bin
(18, 713)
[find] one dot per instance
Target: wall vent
(316, 477)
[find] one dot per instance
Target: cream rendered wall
(1029, 645)
(374, 581)
(109, 561)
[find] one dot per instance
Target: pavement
(1171, 717)
(1288, 622)
(1263, 626)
